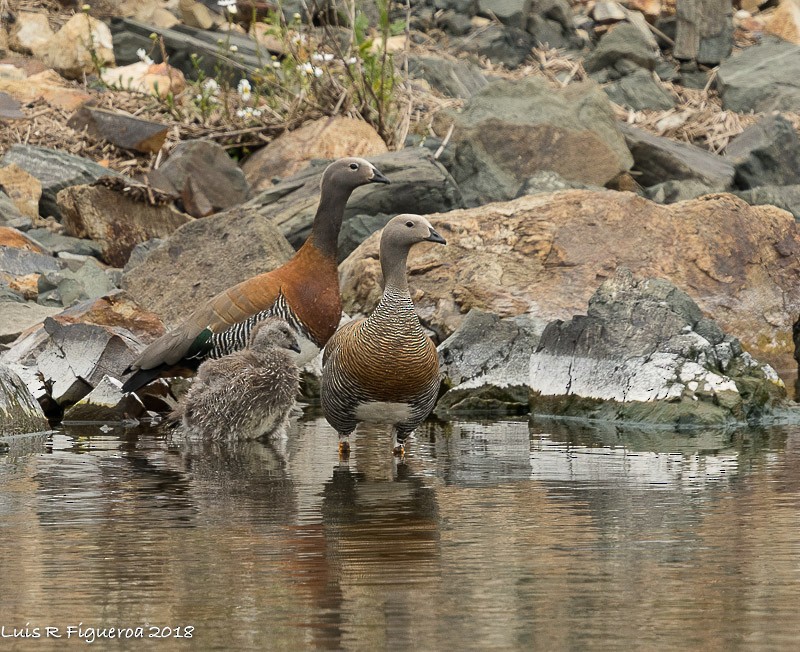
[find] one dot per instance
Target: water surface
(505, 535)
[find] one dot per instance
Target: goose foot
(399, 450)
(344, 450)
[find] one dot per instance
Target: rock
(454, 23)
(17, 317)
(659, 159)
(140, 251)
(79, 46)
(704, 31)
(761, 78)
(785, 197)
(196, 14)
(501, 44)
(509, 12)
(419, 185)
(543, 255)
(67, 287)
(125, 131)
(19, 411)
(785, 21)
(23, 188)
(158, 79)
(671, 191)
(202, 168)
(30, 33)
(550, 33)
(106, 402)
(57, 243)
(766, 153)
(458, 78)
(607, 11)
(10, 215)
(326, 138)
(115, 221)
(48, 86)
(548, 181)
(20, 262)
(510, 130)
(486, 364)
(10, 237)
(624, 43)
(203, 258)
(76, 357)
(639, 91)
(644, 353)
(55, 170)
(116, 309)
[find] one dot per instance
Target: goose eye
(409, 224)
(354, 166)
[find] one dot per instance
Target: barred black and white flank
(247, 394)
(384, 369)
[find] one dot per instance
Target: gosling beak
(435, 237)
(294, 347)
(377, 177)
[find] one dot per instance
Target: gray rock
(454, 23)
(19, 410)
(785, 197)
(766, 153)
(642, 354)
(671, 191)
(55, 170)
(486, 364)
(512, 129)
(659, 159)
(639, 91)
(509, 12)
(202, 167)
(19, 262)
(139, 253)
(547, 33)
(10, 215)
(625, 43)
(452, 78)
(761, 78)
(419, 185)
(106, 402)
(357, 229)
(204, 257)
(76, 357)
(502, 44)
(57, 243)
(90, 281)
(15, 317)
(546, 181)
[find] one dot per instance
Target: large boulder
(618, 49)
(114, 220)
(202, 258)
(761, 78)
(82, 45)
(453, 78)
(645, 353)
(19, 410)
(511, 130)
(419, 184)
(785, 197)
(327, 138)
(545, 254)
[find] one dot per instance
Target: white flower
(256, 113)
(226, 4)
(248, 112)
(351, 61)
(276, 64)
(241, 113)
(327, 56)
(318, 72)
(211, 86)
(306, 68)
(142, 54)
(233, 48)
(244, 89)
(296, 16)
(299, 39)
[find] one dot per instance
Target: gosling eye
(354, 166)
(409, 224)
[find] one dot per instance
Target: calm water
(488, 536)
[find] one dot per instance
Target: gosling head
(272, 333)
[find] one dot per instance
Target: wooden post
(704, 30)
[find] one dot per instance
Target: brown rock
(327, 138)
(82, 42)
(10, 237)
(546, 254)
(195, 14)
(46, 85)
(114, 220)
(23, 188)
(203, 258)
(27, 286)
(785, 21)
(159, 79)
(120, 129)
